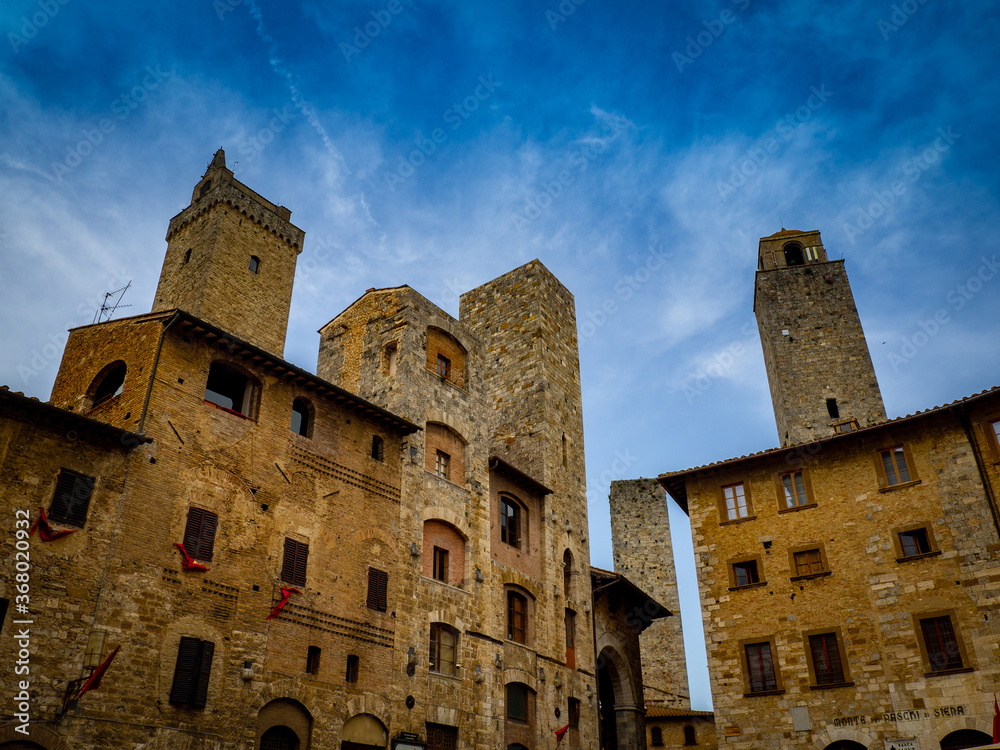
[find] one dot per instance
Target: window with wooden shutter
(192, 672)
(378, 587)
(293, 567)
(71, 499)
(199, 533)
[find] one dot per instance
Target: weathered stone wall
(814, 346)
(643, 552)
(867, 594)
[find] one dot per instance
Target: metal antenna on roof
(109, 310)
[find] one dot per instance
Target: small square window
(745, 573)
(71, 500)
(441, 464)
(808, 562)
(914, 542)
(441, 564)
(736, 502)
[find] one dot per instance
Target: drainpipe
(152, 375)
(991, 498)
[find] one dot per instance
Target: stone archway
(845, 745)
(364, 732)
(283, 724)
(963, 738)
(621, 726)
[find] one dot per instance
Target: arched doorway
(279, 738)
(18, 745)
(965, 738)
(845, 745)
(364, 732)
(615, 701)
(283, 724)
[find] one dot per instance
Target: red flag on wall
(560, 733)
(996, 719)
(188, 562)
(46, 532)
(285, 593)
(95, 679)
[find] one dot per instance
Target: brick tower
(818, 365)
(231, 258)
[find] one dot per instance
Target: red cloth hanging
(996, 719)
(560, 733)
(285, 593)
(46, 532)
(95, 679)
(188, 562)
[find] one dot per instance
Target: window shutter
(293, 566)
(199, 534)
(200, 696)
(72, 498)
(300, 563)
(186, 670)
(378, 587)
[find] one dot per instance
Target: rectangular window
(440, 737)
(441, 564)
(808, 562)
(441, 464)
(517, 617)
(745, 573)
(378, 588)
(293, 567)
(228, 389)
(199, 533)
(832, 409)
(192, 672)
(443, 366)
(517, 701)
(736, 501)
(71, 499)
(914, 542)
(443, 648)
(943, 652)
(995, 425)
(573, 710)
(760, 667)
(850, 425)
(571, 639)
(794, 486)
(353, 667)
(312, 660)
(894, 465)
(510, 522)
(826, 659)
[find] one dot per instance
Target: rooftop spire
(219, 160)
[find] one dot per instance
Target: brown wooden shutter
(293, 566)
(200, 696)
(378, 588)
(72, 498)
(186, 670)
(199, 534)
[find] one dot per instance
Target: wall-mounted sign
(902, 744)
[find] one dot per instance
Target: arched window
(689, 738)
(793, 254)
(108, 383)
(656, 734)
(444, 552)
(444, 649)
(254, 264)
(279, 738)
(444, 452)
(567, 573)
(302, 422)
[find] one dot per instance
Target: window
(293, 567)
(808, 562)
(390, 356)
(510, 522)
(689, 738)
(228, 389)
(793, 254)
(187, 255)
(894, 466)
(441, 464)
(573, 711)
(567, 573)
(736, 502)
(378, 448)
(199, 533)
(353, 667)
(914, 542)
(851, 425)
(254, 264)
(656, 735)
(571, 639)
(826, 662)
(760, 667)
(443, 649)
(517, 702)
(312, 660)
(793, 486)
(441, 737)
(205, 187)
(943, 652)
(995, 426)
(517, 617)
(378, 587)
(192, 672)
(832, 409)
(71, 499)
(440, 564)
(109, 383)
(279, 738)
(443, 366)
(301, 419)
(745, 573)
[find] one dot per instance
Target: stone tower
(818, 365)
(230, 260)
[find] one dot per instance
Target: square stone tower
(818, 365)
(231, 258)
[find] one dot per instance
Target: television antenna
(109, 309)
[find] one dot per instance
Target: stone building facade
(848, 579)
(393, 551)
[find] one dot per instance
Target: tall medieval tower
(818, 365)
(231, 258)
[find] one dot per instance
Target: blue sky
(639, 149)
